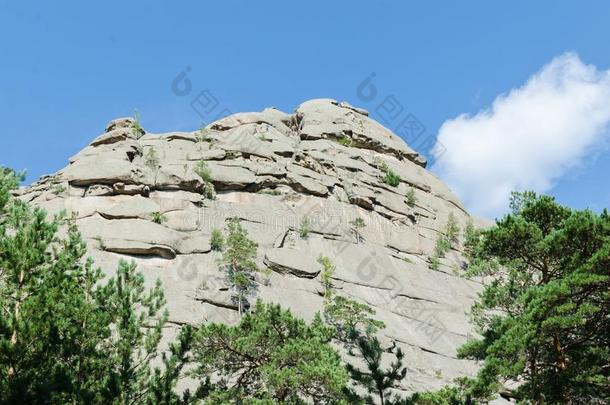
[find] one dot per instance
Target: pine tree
(137, 323)
(65, 336)
(49, 327)
(9, 181)
(343, 313)
(326, 274)
(355, 327)
(455, 395)
(375, 379)
(217, 241)
(445, 241)
(472, 237)
(164, 380)
(347, 315)
(545, 317)
(238, 261)
(271, 357)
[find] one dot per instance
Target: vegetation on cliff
(67, 335)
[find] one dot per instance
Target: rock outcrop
(325, 165)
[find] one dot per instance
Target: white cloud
(528, 138)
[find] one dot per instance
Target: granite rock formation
(137, 195)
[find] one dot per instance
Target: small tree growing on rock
(390, 177)
(345, 141)
(452, 231)
(217, 240)
(356, 225)
(136, 127)
(356, 328)
(472, 237)
(158, 217)
(446, 241)
(328, 269)
(341, 312)
(411, 198)
(203, 171)
(305, 227)
(238, 261)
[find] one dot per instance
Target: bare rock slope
(323, 165)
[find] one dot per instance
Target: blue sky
(66, 68)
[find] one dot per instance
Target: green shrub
(136, 127)
(328, 269)
(358, 223)
(217, 241)
(472, 236)
(203, 171)
(391, 178)
(452, 231)
(58, 189)
(266, 279)
(305, 227)
(445, 241)
(410, 196)
(158, 217)
(442, 246)
(238, 260)
(345, 141)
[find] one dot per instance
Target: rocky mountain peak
(325, 180)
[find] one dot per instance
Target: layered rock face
(297, 182)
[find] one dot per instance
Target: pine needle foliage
(544, 320)
(238, 261)
(270, 357)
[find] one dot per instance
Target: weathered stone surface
(131, 189)
(114, 136)
(326, 118)
(133, 247)
(127, 150)
(102, 170)
(230, 177)
(292, 261)
(277, 171)
(114, 207)
(125, 122)
(98, 190)
(269, 116)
